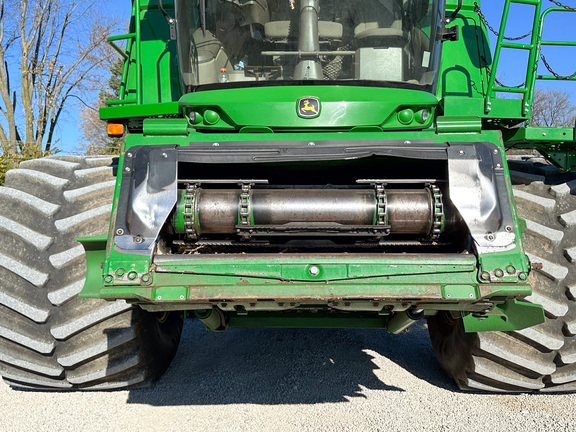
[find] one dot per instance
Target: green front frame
(363, 286)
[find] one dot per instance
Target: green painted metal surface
(464, 106)
(342, 107)
(511, 315)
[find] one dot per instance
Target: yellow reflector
(115, 129)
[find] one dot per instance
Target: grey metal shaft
(308, 68)
(348, 207)
(408, 211)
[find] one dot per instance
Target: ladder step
(529, 2)
(511, 89)
(553, 78)
(558, 43)
(517, 46)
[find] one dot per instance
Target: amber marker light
(115, 129)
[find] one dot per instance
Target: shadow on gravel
(286, 366)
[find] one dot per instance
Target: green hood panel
(277, 107)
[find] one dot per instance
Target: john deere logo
(308, 107)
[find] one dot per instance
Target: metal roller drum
(220, 211)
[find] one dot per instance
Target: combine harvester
(301, 163)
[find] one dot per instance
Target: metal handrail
(133, 40)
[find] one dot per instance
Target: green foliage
(10, 161)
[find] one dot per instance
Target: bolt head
(485, 276)
(132, 275)
(314, 270)
(108, 279)
(119, 231)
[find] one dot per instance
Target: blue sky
(512, 70)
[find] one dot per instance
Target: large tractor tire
(540, 358)
(50, 338)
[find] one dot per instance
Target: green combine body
(318, 163)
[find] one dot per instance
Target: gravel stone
(293, 380)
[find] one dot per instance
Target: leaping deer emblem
(309, 107)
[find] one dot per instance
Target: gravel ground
(292, 380)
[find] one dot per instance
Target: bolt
(498, 273)
(509, 229)
(311, 143)
(485, 276)
(461, 152)
(129, 154)
(510, 269)
(471, 295)
(407, 142)
(216, 145)
(448, 295)
(495, 151)
(159, 298)
(120, 272)
(498, 165)
(314, 270)
(543, 133)
(490, 237)
(523, 276)
(127, 169)
(108, 279)
(181, 297)
(146, 278)
(132, 275)
(138, 239)
(164, 155)
(119, 231)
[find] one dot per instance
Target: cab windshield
(378, 42)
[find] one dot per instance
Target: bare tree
(94, 136)
(48, 48)
(552, 108)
